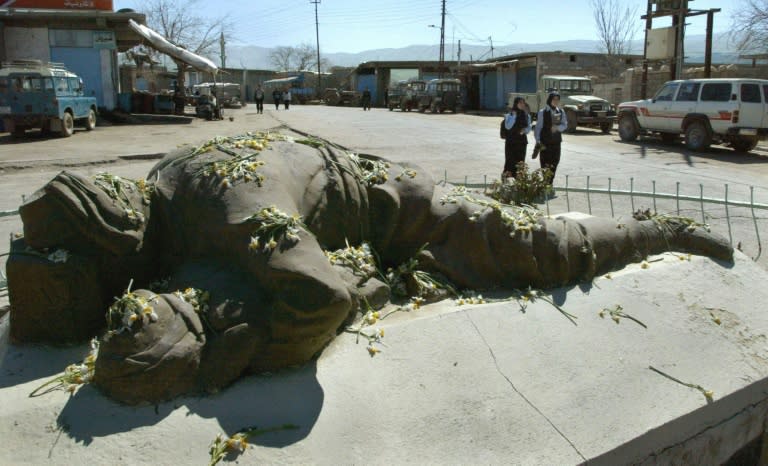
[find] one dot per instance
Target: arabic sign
(60, 4)
(104, 40)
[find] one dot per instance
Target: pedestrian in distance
(277, 97)
(551, 122)
(366, 100)
(258, 96)
(287, 98)
(518, 125)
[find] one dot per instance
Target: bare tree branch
(616, 27)
(177, 21)
(282, 58)
(749, 29)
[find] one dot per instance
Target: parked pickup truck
(35, 94)
(581, 107)
(731, 111)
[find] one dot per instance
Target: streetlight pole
(317, 37)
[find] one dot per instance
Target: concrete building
(84, 35)
(489, 82)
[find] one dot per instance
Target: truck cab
(405, 94)
(35, 94)
(576, 99)
(441, 95)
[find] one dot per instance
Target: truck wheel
(744, 144)
(67, 125)
(422, 109)
(90, 122)
(572, 121)
(606, 127)
(18, 132)
(628, 128)
(391, 108)
(697, 137)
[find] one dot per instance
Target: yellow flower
(272, 243)
(644, 265)
(381, 332)
(237, 442)
(615, 319)
(373, 350)
(254, 244)
(709, 394)
(225, 183)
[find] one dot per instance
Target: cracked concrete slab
(479, 384)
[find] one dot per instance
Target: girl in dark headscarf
(551, 123)
(518, 124)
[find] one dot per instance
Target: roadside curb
(14, 165)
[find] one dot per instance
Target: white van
(705, 111)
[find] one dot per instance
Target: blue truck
(36, 94)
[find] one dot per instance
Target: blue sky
(355, 26)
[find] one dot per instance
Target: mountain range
(255, 57)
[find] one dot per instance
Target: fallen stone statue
(250, 253)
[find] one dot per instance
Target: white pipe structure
(163, 45)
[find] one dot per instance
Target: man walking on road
(258, 96)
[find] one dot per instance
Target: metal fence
(732, 211)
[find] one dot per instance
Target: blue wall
(526, 79)
(86, 63)
(369, 81)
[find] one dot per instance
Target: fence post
(589, 201)
(632, 193)
(610, 196)
(728, 216)
(677, 197)
(653, 196)
(567, 196)
(701, 200)
(754, 219)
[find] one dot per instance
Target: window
(667, 92)
(689, 92)
(751, 93)
(61, 85)
(716, 92)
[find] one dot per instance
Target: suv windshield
(575, 85)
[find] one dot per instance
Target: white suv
(705, 111)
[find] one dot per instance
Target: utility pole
(222, 44)
(490, 39)
(317, 37)
(442, 42)
(458, 56)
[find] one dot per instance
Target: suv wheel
(67, 125)
(744, 144)
(628, 128)
(90, 122)
(697, 137)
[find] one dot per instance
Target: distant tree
(305, 57)
(282, 58)
(178, 22)
(616, 27)
(301, 57)
(749, 27)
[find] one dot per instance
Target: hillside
(256, 57)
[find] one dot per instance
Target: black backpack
(503, 131)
